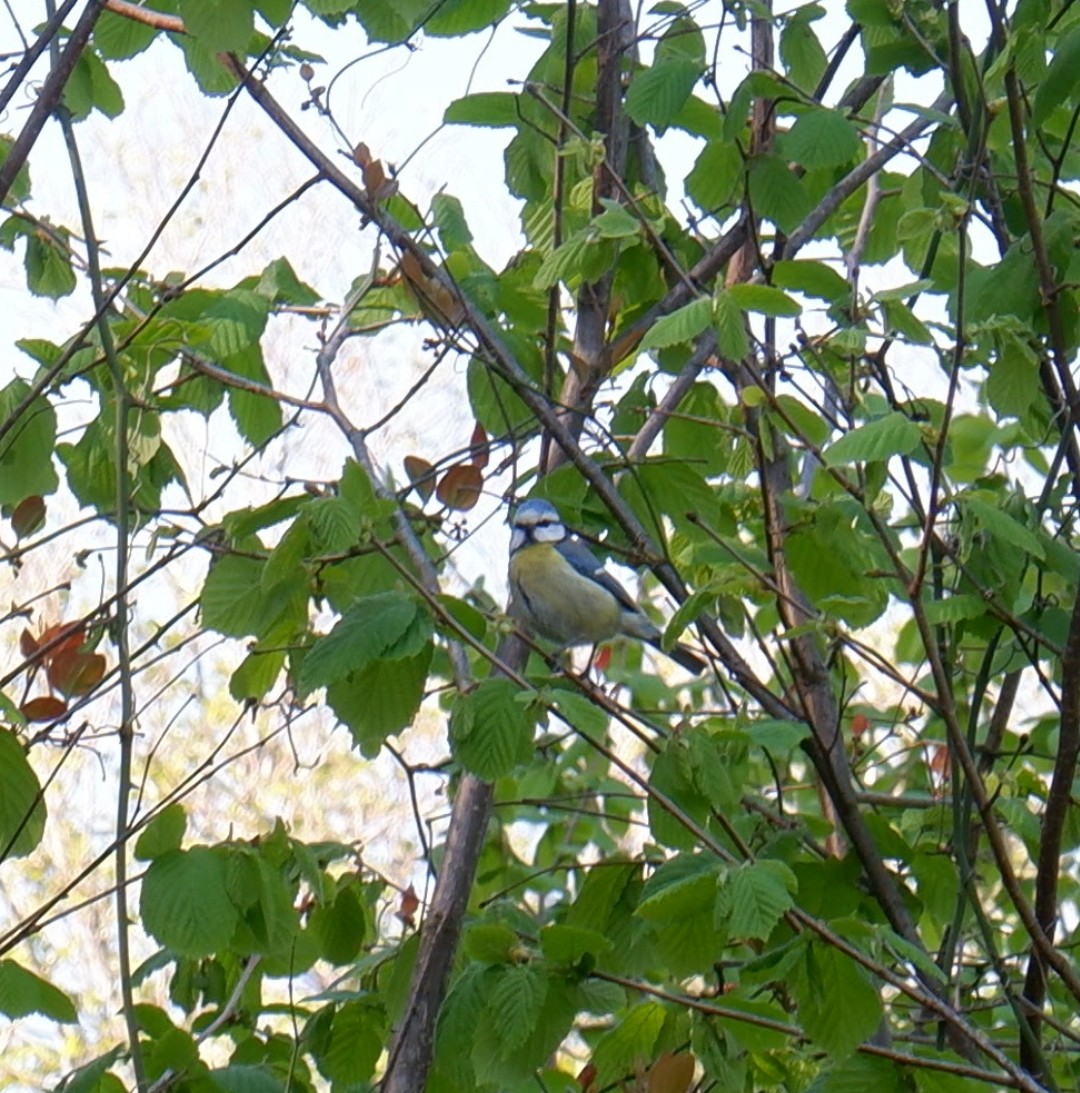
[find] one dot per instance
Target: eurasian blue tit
(560, 590)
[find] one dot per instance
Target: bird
(560, 590)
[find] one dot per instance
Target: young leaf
(680, 327)
(894, 434)
(22, 993)
(22, 807)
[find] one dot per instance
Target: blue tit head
(536, 521)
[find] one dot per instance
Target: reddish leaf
(73, 673)
(28, 645)
(478, 446)
(67, 635)
(408, 906)
(45, 708)
(421, 474)
(587, 1077)
(28, 516)
(941, 762)
(439, 303)
(460, 487)
(671, 1073)
(602, 660)
(859, 724)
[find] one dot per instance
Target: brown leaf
(45, 708)
(439, 303)
(28, 516)
(478, 446)
(421, 474)
(859, 724)
(671, 1073)
(28, 645)
(66, 635)
(460, 487)
(408, 905)
(73, 673)
(587, 1077)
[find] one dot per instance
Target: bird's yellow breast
(557, 602)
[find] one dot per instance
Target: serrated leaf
(657, 94)
(838, 1007)
(894, 434)
(616, 221)
(681, 887)
(22, 993)
(629, 1046)
(381, 699)
(757, 895)
(356, 1041)
(117, 37)
(184, 904)
(22, 807)
(680, 327)
(514, 1005)
(240, 1078)
(802, 54)
(389, 624)
(490, 732)
(48, 265)
(1013, 383)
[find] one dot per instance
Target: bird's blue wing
(588, 565)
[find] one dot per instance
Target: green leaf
(490, 943)
(821, 138)
(681, 887)
(341, 926)
(356, 1041)
(514, 1005)
(756, 897)
(680, 327)
(246, 1079)
(616, 221)
(657, 94)
(20, 187)
(235, 603)
(26, 451)
(222, 26)
(449, 218)
(894, 434)
(48, 264)
(205, 65)
(490, 731)
(184, 902)
(838, 1006)
(764, 299)
(165, 832)
(802, 53)
(22, 993)
(381, 698)
(567, 945)
(1013, 383)
(22, 807)
(811, 278)
(258, 417)
(280, 285)
(1061, 79)
(91, 87)
(902, 322)
(712, 183)
(1001, 525)
(628, 1047)
(117, 37)
(496, 109)
(731, 337)
(387, 625)
(777, 194)
(452, 18)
